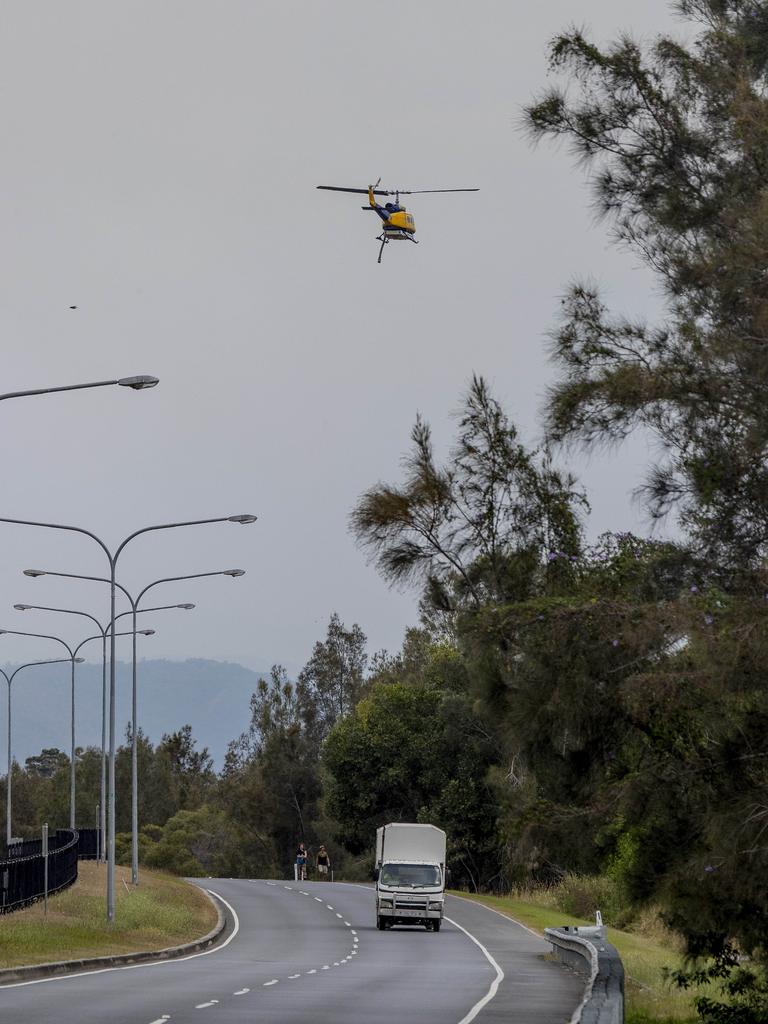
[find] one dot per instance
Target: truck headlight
(385, 903)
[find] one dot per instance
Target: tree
(331, 682)
(271, 783)
(413, 753)
(478, 529)
(677, 139)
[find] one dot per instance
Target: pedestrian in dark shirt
(323, 862)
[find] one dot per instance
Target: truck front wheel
(436, 925)
(381, 924)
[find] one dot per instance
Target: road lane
(310, 952)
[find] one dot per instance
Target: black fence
(22, 875)
(89, 843)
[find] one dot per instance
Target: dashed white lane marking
(289, 887)
(273, 982)
(204, 1006)
(354, 932)
(139, 967)
(339, 917)
(328, 905)
(325, 967)
(494, 984)
(292, 976)
(313, 971)
(161, 1020)
(241, 992)
(347, 924)
(318, 899)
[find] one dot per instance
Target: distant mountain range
(212, 696)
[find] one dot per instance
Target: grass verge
(163, 911)
(649, 998)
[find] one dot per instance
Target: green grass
(649, 998)
(163, 911)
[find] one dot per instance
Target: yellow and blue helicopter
(397, 223)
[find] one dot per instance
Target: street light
(103, 631)
(134, 603)
(138, 383)
(9, 679)
(112, 559)
(46, 636)
(73, 659)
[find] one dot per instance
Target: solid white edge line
(494, 984)
(507, 917)
(135, 967)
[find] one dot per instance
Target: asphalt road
(296, 953)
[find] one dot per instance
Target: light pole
(138, 383)
(9, 679)
(135, 610)
(112, 559)
(46, 636)
(100, 636)
(103, 632)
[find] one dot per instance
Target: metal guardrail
(23, 878)
(586, 951)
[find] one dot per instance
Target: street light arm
(31, 664)
(176, 579)
(168, 526)
(97, 637)
(41, 636)
(66, 611)
(76, 576)
(140, 611)
(137, 383)
(49, 391)
(60, 526)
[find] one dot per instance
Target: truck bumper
(404, 916)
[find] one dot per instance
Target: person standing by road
(323, 862)
(301, 863)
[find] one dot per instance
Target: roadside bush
(582, 895)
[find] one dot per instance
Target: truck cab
(410, 875)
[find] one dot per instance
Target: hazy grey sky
(159, 164)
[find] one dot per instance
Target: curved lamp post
(64, 644)
(135, 610)
(138, 383)
(112, 559)
(73, 659)
(103, 633)
(9, 679)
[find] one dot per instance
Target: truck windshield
(410, 874)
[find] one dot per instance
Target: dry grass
(163, 911)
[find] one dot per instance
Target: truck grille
(406, 904)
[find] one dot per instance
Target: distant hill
(212, 696)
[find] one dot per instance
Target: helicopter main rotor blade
(361, 191)
(423, 191)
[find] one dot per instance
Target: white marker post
(45, 867)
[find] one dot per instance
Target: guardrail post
(45, 867)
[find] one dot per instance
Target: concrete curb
(64, 967)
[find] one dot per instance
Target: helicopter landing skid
(385, 240)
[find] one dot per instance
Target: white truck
(410, 875)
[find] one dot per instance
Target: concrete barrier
(586, 951)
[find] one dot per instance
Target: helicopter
(397, 223)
